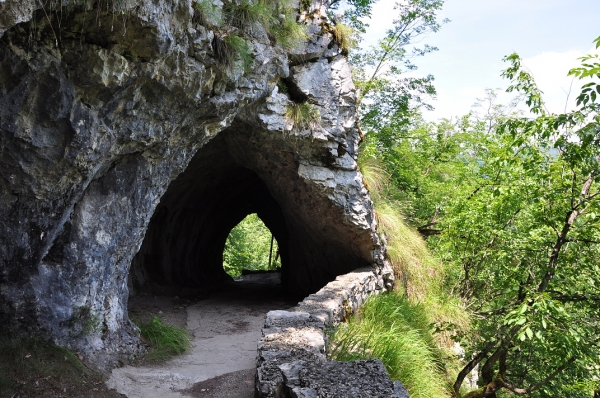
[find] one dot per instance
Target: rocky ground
(225, 329)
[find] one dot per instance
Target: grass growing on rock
(288, 33)
(247, 13)
(277, 18)
(345, 37)
(410, 329)
(391, 328)
(165, 341)
(303, 116)
(232, 50)
(208, 13)
(414, 266)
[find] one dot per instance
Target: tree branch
(529, 390)
(562, 237)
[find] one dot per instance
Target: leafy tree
(248, 247)
(524, 235)
(427, 162)
(512, 202)
(354, 12)
(384, 94)
(389, 103)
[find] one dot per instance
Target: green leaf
(529, 333)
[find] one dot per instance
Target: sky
(549, 35)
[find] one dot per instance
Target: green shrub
(165, 340)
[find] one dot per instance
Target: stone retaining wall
(292, 354)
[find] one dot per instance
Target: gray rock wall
(292, 360)
(121, 133)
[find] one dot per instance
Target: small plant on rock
(288, 33)
(236, 20)
(84, 322)
(230, 49)
(248, 13)
(303, 116)
(345, 37)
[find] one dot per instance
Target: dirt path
(225, 330)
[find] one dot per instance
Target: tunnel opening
(251, 248)
(245, 171)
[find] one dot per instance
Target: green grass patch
(165, 341)
(410, 330)
(399, 333)
(418, 272)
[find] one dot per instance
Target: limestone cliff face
(127, 153)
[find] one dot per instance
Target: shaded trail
(225, 330)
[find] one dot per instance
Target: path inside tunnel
(225, 329)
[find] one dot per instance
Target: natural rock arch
(243, 171)
(115, 136)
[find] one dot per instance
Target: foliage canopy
(509, 203)
(249, 247)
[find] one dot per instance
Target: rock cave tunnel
(236, 174)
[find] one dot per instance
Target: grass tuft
(345, 37)
(165, 340)
(288, 33)
(278, 18)
(398, 332)
(375, 177)
(411, 329)
(413, 264)
(303, 116)
(247, 13)
(231, 50)
(407, 251)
